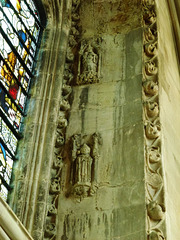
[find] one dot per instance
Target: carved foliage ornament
(152, 128)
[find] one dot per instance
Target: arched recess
(28, 198)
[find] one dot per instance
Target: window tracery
(20, 29)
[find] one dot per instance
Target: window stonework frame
(35, 151)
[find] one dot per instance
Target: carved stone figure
(156, 235)
(84, 167)
(88, 64)
(149, 17)
(50, 229)
(152, 130)
(149, 35)
(152, 109)
(59, 140)
(55, 185)
(151, 88)
(148, 3)
(66, 91)
(58, 161)
(74, 32)
(69, 55)
(62, 122)
(68, 75)
(155, 211)
(150, 49)
(154, 155)
(75, 17)
(65, 106)
(72, 41)
(151, 68)
(52, 210)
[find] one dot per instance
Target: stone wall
(112, 108)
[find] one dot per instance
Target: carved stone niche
(150, 68)
(151, 88)
(89, 62)
(155, 211)
(84, 161)
(150, 49)
(156, 235)
(152, 109)
(152, 130)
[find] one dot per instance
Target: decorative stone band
(152, 128)
(10, 225)
(62, 123)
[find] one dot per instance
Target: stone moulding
(56, 185)
(156, 228)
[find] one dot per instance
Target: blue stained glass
(23, 36)
(4, 3)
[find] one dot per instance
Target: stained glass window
(20, 28)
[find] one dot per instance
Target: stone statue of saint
(89, 65)
(83, 166)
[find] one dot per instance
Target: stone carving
(88, 63)
(72, 41)
(55, 185)
(153, 169)
(50, 229)
(148, 3)
(149, 17)
(69, 55)
(75, 32)
(151, 88)
(65, 106)
(68, 76)
(84, 166)
(156, 235)
(152, 130)
(155, 211)
(59, 140)
(58, 162)
(149, 35)
(154, 155)
(57, 180)
(152, 109)
(66, 91)
(150, 68)
(52, 210)
(150, 49)
(62, 122)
